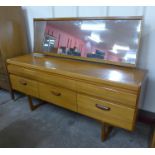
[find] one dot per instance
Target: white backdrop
(147, 53)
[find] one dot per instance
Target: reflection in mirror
(114, 40)
(48, 43)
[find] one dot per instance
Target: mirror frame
(92, 18)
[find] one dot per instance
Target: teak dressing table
(106, 92)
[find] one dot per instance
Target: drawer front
(50, 78)
(59, 96)
(109, 94)
(111, 113)
(24, 85)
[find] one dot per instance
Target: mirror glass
(115, 40)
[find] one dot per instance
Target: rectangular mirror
(113, 40)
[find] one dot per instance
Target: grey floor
(53, 127)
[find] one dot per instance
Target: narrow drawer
(24, 85)
(107, 93)
(59, 96)
(104, 111)
(50, 78)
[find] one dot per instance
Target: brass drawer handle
(56, 93)
(103, 107)
(23, 82)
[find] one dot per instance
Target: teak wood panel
(108, 112)
(4, 82)
(108, 93)
(59, 96)
(13, 38)
(24, 85)
(54, 79)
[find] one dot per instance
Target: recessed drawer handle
(102, 107)
(23, 82)
(56, 93)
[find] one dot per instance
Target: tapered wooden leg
(12, 94)
(10, 87)
(106, 129)
(33, 107)
(152, 144)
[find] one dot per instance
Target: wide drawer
(104, 111)
(54, 79)
(107, 93)
(24, 85)
(59, 96)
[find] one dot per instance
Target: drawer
(51, 78)
(59, 96)
(107, 112)
(107, 93)
(24, 85)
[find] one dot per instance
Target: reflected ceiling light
(46, 45)
(48, 64)
(115, 76)
(136, 40)
(50, 40)
(116, 48)
(95, 27)
(139, 27)
(95, 37)
(130, 56)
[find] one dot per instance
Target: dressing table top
(129, 78)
